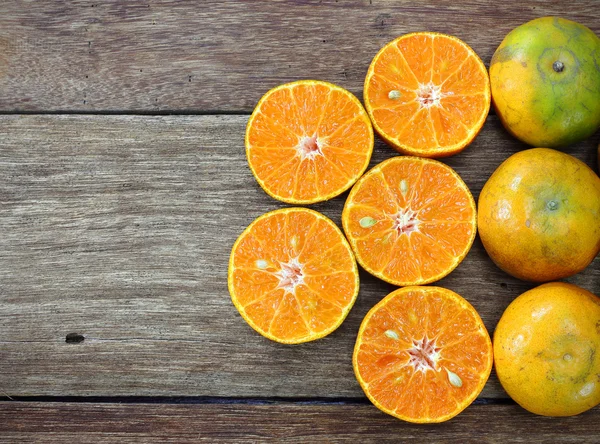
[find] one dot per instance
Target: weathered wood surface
(118, 228)
(135, 423)
(172, 55)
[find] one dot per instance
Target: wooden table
(123, 185)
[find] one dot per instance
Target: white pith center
(405, 221)
(424, 355)
(309, 147)
(429, 94)
(290, 275)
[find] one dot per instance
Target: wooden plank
(135, 423)
(168, 55)
(118, 228)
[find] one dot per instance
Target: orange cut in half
(308, 141)
(428, 94)
(292, 275)
(422, 354)
(410, 220)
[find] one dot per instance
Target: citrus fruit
(410, 220)
(545, 78)
(422, 354)
(428, 94)
(539, 215)
(546, 350)
(308, 141)
(292, 275)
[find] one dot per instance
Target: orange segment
(448, 130)
(448, 59)
(463, 110)
(410, 220)
(381, 86)
(469, 79)
(361, 215)
(402, 265)
(419, 132)
(418, 51)
(448, 235)
(422, 354)
(427, 94)
(308, 141)
(292, 275)
(395, 117)
(456, 206)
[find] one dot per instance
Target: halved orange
(292, 275)
(422, 354)
(428, 94)
(410, 220)
(308, 141)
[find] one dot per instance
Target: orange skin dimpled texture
(539, 215)
(547, 350)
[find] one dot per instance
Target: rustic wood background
(123, 185)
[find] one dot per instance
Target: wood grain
(183, 56)
(136, 423)
(118, 229)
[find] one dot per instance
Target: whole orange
(539, 215)
(545, 81)
(546, 350)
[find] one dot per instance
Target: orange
(546, 350)
(292, 275)
(410, 220)
(422, 354)
(308, 141)
(539, 215)
(428, 94)
(545, 79)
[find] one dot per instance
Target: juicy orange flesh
(327, 282)
(383, 359)
(443, 91)
(442, 207)
(310, 118)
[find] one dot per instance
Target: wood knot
(74, 338)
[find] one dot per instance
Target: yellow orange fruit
(410, 220)
(539, 215)
(422, 354)
(308, 141)
(546, 350)
(292, 275)
(428, 94)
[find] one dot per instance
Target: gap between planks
(216, 400)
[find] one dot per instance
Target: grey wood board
(280, 422)
(171, 55)
(119, 228)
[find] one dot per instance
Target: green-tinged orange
(547, 350)
(545, 79)
(539, 215)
